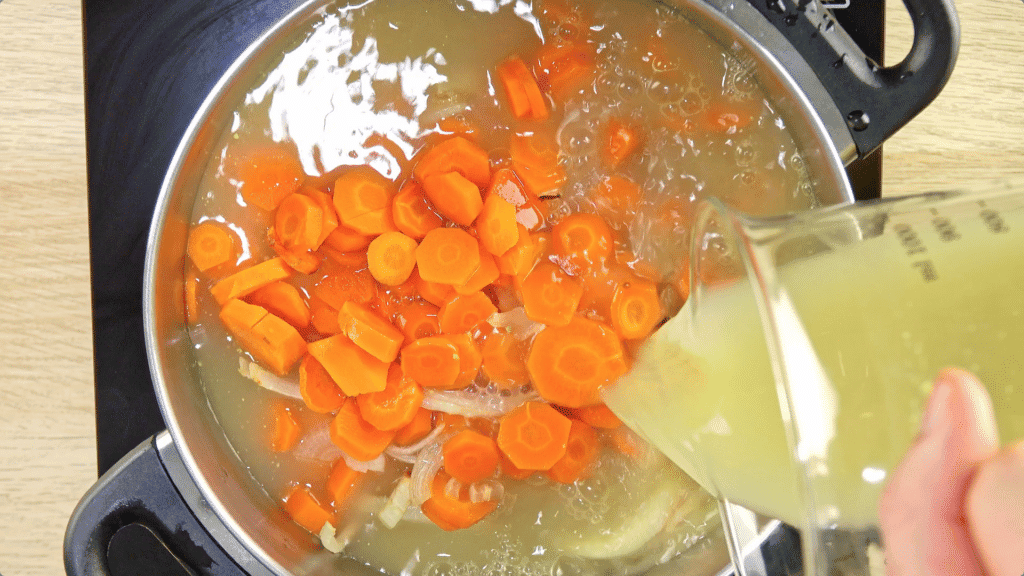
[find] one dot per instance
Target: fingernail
(936, 412)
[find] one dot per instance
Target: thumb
(995, 512)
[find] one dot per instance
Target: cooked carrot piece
(391, 258)
(565, 67)
(352, 368)
(636, 309)
(323, 317)
(550, 296)
(621, 142)
(305, 510)
(433, 292)
(269, 339)
(345, 239)
(470, 457)
(535, 161)
(394, 406)
(298, 259)
(298, 222)
(450, 513)
(355, 260)
(581, 242)
(533, 436)
(329, 222)
(598, 416)
(599, 284)
(210, 245)
(268, 175)
(191, 297)
(342, 483)
(454, 197)
(283, 300)
(413, 215)
(418, 320)
(363, 201)
(341, 284)
(569, 364)
(455, 155)
(391, 300)
(503, 359)
(511, 470)
(581, 451)
(458, 126)
(462, 313)
(374, 334)
(248, 280)
(496, 225)
(355, 436)
(319, 391)
(530, 211)
(432, 362)
(469, 358)
(486, 274)
(524, 97)
(520, 258)
(417, 429)
(628, 442)
(285, 429)
(618, 197)
(448, 256)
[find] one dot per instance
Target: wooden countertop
(974, 131)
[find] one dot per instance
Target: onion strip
(267, 379)
(425, 468)
(397, 503)
(408, 453)
(475, 404)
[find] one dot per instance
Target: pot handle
(875, 101)
(137, 499)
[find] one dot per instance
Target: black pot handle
(875, 101)
(136, 498)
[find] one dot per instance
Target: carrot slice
(635, 309)
(363, 201)
(413, 215)
(323, 317)
(486, 274)
(462, 313)
(455, 155)
(448, 256)
(392, 299)
(285, 429)
(248, 280)
(496, 225)
(520, 258)
(503, 359)
(598, 416)
(391, 258)
(433, 292)
(581, 242)
(530, 211)
(470, 457)
(535, 161)
(418, 320)
(417, 429)
(458, 126)
(283, 300)
(341, 284)
(269, 339)
(374, 334)
(581, 451)
(565, 67)
(342, 483)
(432, 362)
(319, 391)
(191, 290)
(210, 245)
(550, 296)
(355, 436)
(569, 364)
(268, 175)
(305, 510)
(345, 239)
(469, 358)
(599, 285)
(395, 405)
(534, 436)
(525, 99)
(617, 196)
(352, 368)
(454, 196)
(329, 222)
(450, 513)
(299, 259)
(298, 222)
(511, 470)
(621, 141)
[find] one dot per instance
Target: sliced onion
(425, 468)
(267, 379)
(516, 322)
(331, 540)
(317, 445)
(476, 403)
(375, 465)
(408, 453)
(453, 489)
(397, 503)
(486, 491)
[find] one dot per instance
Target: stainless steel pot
(187, 485)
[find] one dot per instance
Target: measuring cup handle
(875, 101)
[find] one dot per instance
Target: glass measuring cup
(793, 380)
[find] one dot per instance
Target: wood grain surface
(973, 132)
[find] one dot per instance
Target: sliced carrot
(569, 364)
(391, 258)
(533, 436)
(486, 274)
(285, 429)
(191, 290)
(581, 452)
(269, 339)
(462, 313)
(355, 436)
(469, 358)
(522, 91)
(458, 126)
(448, 256)
(355, 260)
(454, 197)
(248, 280)
(323, 317)
(369, 331)
(283, 300)
(341, 284)
(455, 154)
(210, 245)
(268, 175)
(535, 161)
(392, 299)
(432, 362)
(598, 416)
(450, 513)
(319, 391)
(531, 212)
(395, 406)
(503, 359)
(621, 142)
(581, 242)
(618, 197)
(352, 368)
(329, 222)
(565, 67)
(511, 470)
(496, 225)
(345, 239)
(413, 215)
(298, 222)
(300, 260)
(628, 442)
(363, 201)
(433, 292)
(520, 258)
(470, 457)
(417, 429)
(550, 296)
(305, 510)
(636, 309)
(599, 285)
(342, 484)
(418, 320)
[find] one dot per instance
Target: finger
(995, 512)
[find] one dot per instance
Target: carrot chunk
(617, 196)
(418, 320)
(486, 274)
(352, 368)
(470, 457)
(454, 196)
(285, 429)
(268, 175)
(305, 510)
(372, 333)
(432, 362)
(341, 284)
(300, 260)
(345, 239)
(433, 292)
(520, 258)
(448, 256)
(298, 222)
(191, 290)
(635, 309)
(363, 201)
(329, 221)
(534, 436)
(503, 359)
(283, 300)
(323, 317)
(565, 67)
(210, 245)
(598, 416)
(550, 296)
(319, 391)
(395, 405)
(342, 483)
(391, 258)
(269, 339)
(581, 242)
(462, 313)
(530, 211)
(450, 513)
(455, 154)
(248, 280)
(621, 141)
(535, 161)
(525, 99)
(569, 364)
(413, 215)
(511, 470)
(581, 451)
(496, 225)
(469, 358)
(355, 436)
(417, 429)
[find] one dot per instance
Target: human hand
(955, 504)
